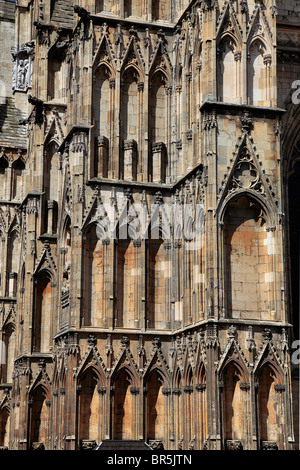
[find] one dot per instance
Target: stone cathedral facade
(183, 342)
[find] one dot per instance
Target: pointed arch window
(9, 340)
(51, 186)
(270, 398)
(233, 405)
(43, 308)
(93, 280)
(247, 266)
(4, 427)
(156, 417)
(103, 119)
(158, 121)
(13, 260)
(3, 174)
(229, 71)
(91, 408)
(39, 419)
(18, 168)
(123, 407)
(259, 75)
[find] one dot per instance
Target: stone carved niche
(22, 67)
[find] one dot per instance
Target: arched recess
(39, 425)
(179, 101)
(158, 125)
(3, 173)
(9, 340)
(270, 406)
(65, 263)
(103, 6)
(247, 263)
(130, 123)
(43, 312)
(189, 404)
(156, 419)
(51, 184)
(228, 77)
(161, 10)
(201, 405)
(293, 229)
(13, 259)
(93, 278)
(91, 406)
(2, 271)
(104, 99)
(178, 407)
(57, 79)
(125, 283)
(259, 79)
(124, 406)
(234, 403)
(4, 426)
(189, 93)
(157, 285)
(132, 8)
(18, 172)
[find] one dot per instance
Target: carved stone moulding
(233, 445)
(87, 444)
(156, 444)
(38, 446)
(269, 445)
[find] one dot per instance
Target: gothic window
(157, 285)
(103, 6)
(246, 247)
(3, 168)
(51, 186)
(4, 427)
(202, 404)
(158, 109)
(125, 283)
(179, 104)
(123, 409)
(257, 75)
(130, 122)
(56, 75)
(93, 279)
(132, 8)
(189, 94)
(66, 269)
(91, 408)
(18, 168)
(294, 235)
(189, 403)
(270, 406)
(178, 412)
(42, 326)
(103, 118)
(39, 419)
(227, 73)
(12, 263)
(130, 105)
(156, 419)
(102, 102)
(1, 264)
(233, 404)
(160, 10)
(158, 126)
(9, 340)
